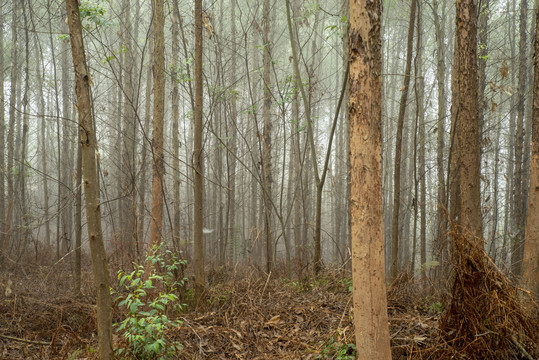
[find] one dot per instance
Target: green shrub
(338, 351)
(147, 303)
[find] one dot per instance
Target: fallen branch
(521, 348)
(26, 341)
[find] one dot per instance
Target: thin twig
(265, 285)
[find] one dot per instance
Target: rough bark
(156, 226)
(365, 111)
(91, 190)
(467, 120)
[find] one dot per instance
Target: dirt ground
(249, 315)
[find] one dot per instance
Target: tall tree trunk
(144, 156)
(2, 139)
(78, 223)
(129, 132)
(419, 179)
(467, 120)
(66, 166)
(156, 228)
(398, 146)
(175, 126)
(441, 214)
(482, 61)
(509, 185)
(370, 303)
(266, 151)
(530, 263)
(518, 213)
(231, 135)
(319, 178)
(11, 128)
(43, 141)
(91, 190)
(24, 140)
(198, 157)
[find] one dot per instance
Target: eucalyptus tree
(365, 109)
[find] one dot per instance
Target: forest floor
(248, 315)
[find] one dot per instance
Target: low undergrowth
(248, 315)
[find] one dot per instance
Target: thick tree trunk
(365, 111)
(156, 228)
(469, 219)
(91, 190)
